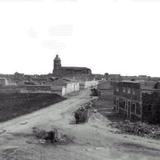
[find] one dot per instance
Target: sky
(113, 36)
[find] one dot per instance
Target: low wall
(60, 90)
(26, 89)
(35, 89)
(10, 89)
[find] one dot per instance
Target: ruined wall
(151, 107)
(128, 99)
(105, 90)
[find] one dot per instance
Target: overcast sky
(114, 36)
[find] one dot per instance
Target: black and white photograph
(79, 79)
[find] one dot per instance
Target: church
(68, 71)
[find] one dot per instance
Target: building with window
(135, 102)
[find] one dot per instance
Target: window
(133, 107)
(129, 103)
(124, 90)
(122, 104)
(138, 108)
(117, 89)
(117, 102)
(133, 92)
(126, 105)
(129, 91)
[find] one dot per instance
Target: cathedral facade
(59, 70)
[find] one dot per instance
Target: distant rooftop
(75, 68)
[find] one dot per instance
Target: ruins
(136, 102)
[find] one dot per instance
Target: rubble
(82, 114)
(138, 128)
(94, 92)
(51, 136)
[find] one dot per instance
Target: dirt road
(94, 140)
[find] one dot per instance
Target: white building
(64, 86)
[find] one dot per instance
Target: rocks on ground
(138, 128)
(53, 136)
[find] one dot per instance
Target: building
(65, 71)
(143, 77)
(64, 86)
(3, 82)
(135, 102)
(88, 84)
(105, 90)
(113, 77)
(6, 82)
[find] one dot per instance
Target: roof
(114, 75)
(145, 85)
(129, 81)
(62, 82)
(75, 68)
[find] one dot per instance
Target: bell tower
(57, 65)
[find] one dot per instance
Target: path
(94, 140)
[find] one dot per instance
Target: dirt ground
(16, 104)
(94, 140)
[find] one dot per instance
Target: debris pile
(94, 92)
(82, 114)
(51, 136)
(138, 128)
